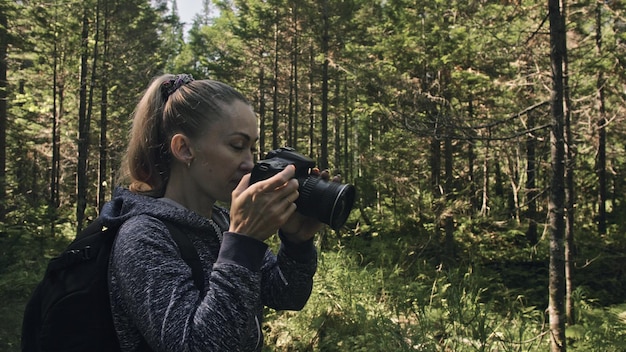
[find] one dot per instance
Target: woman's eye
(237, 147)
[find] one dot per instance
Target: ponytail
(147, 158)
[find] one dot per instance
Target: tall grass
(388, 292)
(360, 303)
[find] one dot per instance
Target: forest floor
(385, 270)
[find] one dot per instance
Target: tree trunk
(435, 180)
(3, 110)
(92, 82)
(311, 102)
(471, 160)
(275, 92)
(337, 127)
(448, 191)
(601, 154)
(484, 208)
(83, 128)
(569, 177)
(347, 167)
(53, 200)
(290, 104)
(104, 87)
(296, 96)
(531, 182)
(262, 113)
(323, 160)
(556, 286)
(60, 117)
(435, 165)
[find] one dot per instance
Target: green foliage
(25, 248)
(598, 328)
(384, 292)
(368, 308)
(345, 312)
(413, 86)
(461, 314)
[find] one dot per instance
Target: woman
(192, 145)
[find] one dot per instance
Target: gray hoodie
(153, 296)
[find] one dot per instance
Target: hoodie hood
(126, 204)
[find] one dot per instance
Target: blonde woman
(191, 145)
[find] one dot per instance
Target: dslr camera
(328, 202)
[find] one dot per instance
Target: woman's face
(224, 153)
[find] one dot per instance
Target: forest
(485, 139)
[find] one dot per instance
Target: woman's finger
(277, 180)
(243, 184)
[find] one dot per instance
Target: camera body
(328, 202)
(277, 160)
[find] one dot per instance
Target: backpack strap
(189, 254)
(80, 253)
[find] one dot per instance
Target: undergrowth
(368, 308)
(386, 292)
(396, 291)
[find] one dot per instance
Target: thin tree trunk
(311, 102)
(471, 176)
(448, 190)
(296, 96)
(337, 125)
(53, 201)
(484, 209)
(275, 92)
(323, 161)
(58, 107)
(531, 182)
(435, 165)
(262, 113)
(601, 154)
(3, 110)
(569, 177)
(92, 83)
(60, 117)
(104, 87)
(290, 104)
(435, 179)
(471, 160)
(347, 167)
(83, 128)
(556, 286)
(448, 184)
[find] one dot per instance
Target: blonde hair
(189, 109)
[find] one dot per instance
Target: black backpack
(70, 310)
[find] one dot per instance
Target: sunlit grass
(389, 293)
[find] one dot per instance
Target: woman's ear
(181, 148)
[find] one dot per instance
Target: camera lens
(328, 202)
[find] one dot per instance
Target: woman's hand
(300, 228)
(259, 210)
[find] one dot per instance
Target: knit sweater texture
(153, 296)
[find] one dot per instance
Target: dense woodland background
(491, 178)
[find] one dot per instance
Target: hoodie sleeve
(288, 277)
(152, 285)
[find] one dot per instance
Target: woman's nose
(248, 164)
